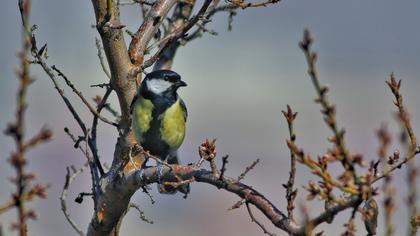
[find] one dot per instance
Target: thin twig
(253, 219)
(242, 4)
(328, 110)
(92, 164)
(24, 190)
(137, 149)
(350, 226)
(403, 115)
(60, 91)
(247, 169)
(77, 143)
(172, 37)
(237, 205)
(70, 176)
(142, 2)
(79, 94)
(147, 30)
(7, 206)
(321, 171)
(152, 200)
(18, 159)
(141, 213)
(101, 58)
(92, 139)
(223, 169)
(412, 148)
(290, 192)
(396, 166)
(102, 85)
(231, 8)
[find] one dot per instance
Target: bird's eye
(166, 78)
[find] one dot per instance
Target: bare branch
(70, 176)
(147, 30)
(117, 58)
(79, 94)
(182, 11)
(331, 212)
(141, 213)
(150, 175)
(403, 115)
(328, 110)
(237, 204)
(176, 34)
(290, 192)
(253, 219)
(43, 135)
(247, 169)
(25, 190)
(396, 166)
(7, 206)
(131, 179)
(92, 139)
(230, 8)
(101, 58)
(92, 164)
(141, 2)
(223, 169)
(53, 78)
(242, 4)
(412, 149)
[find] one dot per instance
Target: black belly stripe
(152, 140)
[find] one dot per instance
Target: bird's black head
(162, 82)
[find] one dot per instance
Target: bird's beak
(180, 83)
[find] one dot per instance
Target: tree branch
(181, 13)
(148, 29)
(69, 179)
(170, 40)
(291, 193)
(79, 94)
(139, 178)
(253, 219)
(117, 57)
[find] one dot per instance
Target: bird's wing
(132, 103)
(184, 108)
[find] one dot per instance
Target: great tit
(159, 117)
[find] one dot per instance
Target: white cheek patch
(158, 86)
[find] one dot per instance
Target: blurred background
(238, 83)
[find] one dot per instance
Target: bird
(159, 118)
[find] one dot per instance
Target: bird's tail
(168, 189)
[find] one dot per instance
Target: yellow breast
(142, 115)
(173, 125)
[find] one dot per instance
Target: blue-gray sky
(238, 83)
